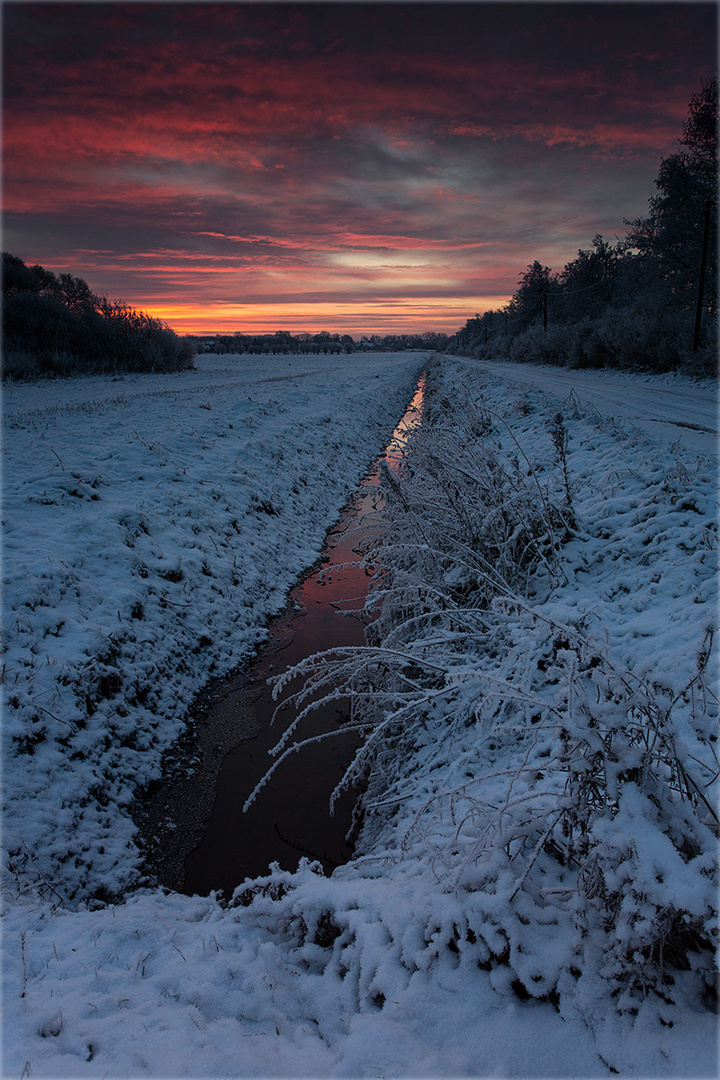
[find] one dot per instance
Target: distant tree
(669, 240)
(75, 294)
(17, 277)
(588, 283)
(528, 303)
(433, 340)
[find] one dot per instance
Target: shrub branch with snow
(555, 772)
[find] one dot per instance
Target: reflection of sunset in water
(290, 817)
(412, 418)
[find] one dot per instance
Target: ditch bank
(194, 832)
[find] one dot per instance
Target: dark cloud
(196, 153)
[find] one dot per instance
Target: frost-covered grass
(533, 886)
(540, 691)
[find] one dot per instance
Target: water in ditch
(198, 838)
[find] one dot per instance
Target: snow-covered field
(151, 527)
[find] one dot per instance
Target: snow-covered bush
(564, 792)
(633, 337)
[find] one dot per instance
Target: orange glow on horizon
(409, 316)
(360, 169)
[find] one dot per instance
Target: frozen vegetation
(534, 890)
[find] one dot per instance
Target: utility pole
(545, 312)
(701, 279)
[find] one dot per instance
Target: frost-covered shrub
(476, 512)
(564, 795)
(634, 337)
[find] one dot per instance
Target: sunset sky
(359, 168)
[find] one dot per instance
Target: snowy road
(663, 406)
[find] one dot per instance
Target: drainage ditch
(196, 836)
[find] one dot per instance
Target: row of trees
(54, 325)
(283, 342)
(647, 300)
(430, 339)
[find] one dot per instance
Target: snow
(152, 525)
(668, 407)
(151, 528)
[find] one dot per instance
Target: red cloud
(307, 153)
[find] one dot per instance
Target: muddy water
(198, 837)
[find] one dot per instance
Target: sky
(357, 168)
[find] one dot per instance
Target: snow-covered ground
(667, 407)
(151, 527)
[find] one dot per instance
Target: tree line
(283, 342)
(55, 325)
(647, 300)
(279, 342)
